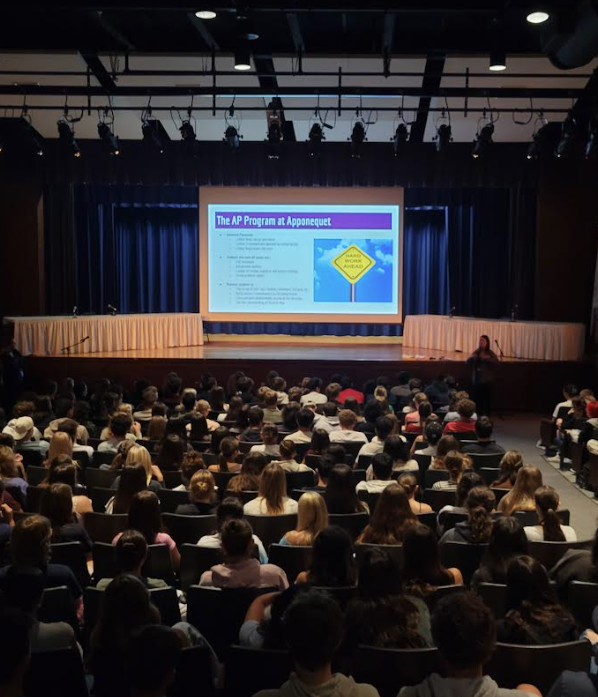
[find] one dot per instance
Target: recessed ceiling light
(538, 17)
(205, 14)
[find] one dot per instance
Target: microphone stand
(502, 355)
(67, 349)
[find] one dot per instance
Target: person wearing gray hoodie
(312, 628)
(464, 631)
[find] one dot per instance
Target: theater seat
(248, 671)
(582, 598)
(194, 561)
(57, 673)
(293, 559)
(394, 551)
(194, 674)
(71, 554)
(103, 527)
(270, 528)
(549, 553)
(491, 460)
(188, 528)
(353, 523)
(463, 556)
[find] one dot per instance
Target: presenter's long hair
(273, 488)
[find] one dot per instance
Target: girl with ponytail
(202, 496)
(477, 529)
(549, 528)
(227, 459)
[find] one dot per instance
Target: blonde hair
(156, 428)
(8, 463)
(522, 495)
(510, 464)
(312, 516)
(201, 487)
(124, 408)
(140, 455)
(273, 488)
(203, 407)
(61, 444)
(380, 393)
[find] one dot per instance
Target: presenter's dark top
(482, 364)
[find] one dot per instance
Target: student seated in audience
(323, 468)
(341, 496)
(227, 458)
(464, 631)
(466, 422)
(287, 458)
(454, 399)
(416, 422)
(156, 429)
(480, 503)
(422, 570)
(269, 444)
(251, 472)
(262, 628)
(144, 410)
(349, 392)
(120, 430)
(15, 649)
(137, 454)
(279, 386)
(255, 421)
(171, 453)
(431, 436)
(236, 417)
(192, 463)
(305, 421)
(216, 437)
(455, 464)
(378, 474)
(445, 445)
(484, 445)
(312, 517)
(510, 464)
(202, 496)
(384, 427)
(230, 508)
(272, 498)
(507, 541)
(30, 547)
(71, 427)
(24, 433)
(383, 615)
(549, 526)
(272, 414)
(320, 442)
(347, 433)
(131, 553)
(522, 495)
(327, 420)
(391, 518)
(438, 392)
(315, 393)
(333, 561)
(240, 569)
(64, 411)
(534, 615)
(152, 660)
(132, 480)
(23, 590)
(468, 481)
(398, 450)
(61, 444)
(217, 399)
(57, 506)
(409, 483)
(313, 631)
(569, 391)
(12, 472)
(144, 515)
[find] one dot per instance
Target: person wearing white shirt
(272, 414)
(269, 444)
(272, 499)
(287, 458)
(549, 528)
(384, 427)
(347, 420)
(305, 420)
(569, 391)
(315, 393)
(382, 471)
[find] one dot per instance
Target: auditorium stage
(520, 384)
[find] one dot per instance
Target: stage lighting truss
(232, 133)
(106, 133)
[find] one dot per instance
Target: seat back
(104, 561)
(433, 476)
(488, 474)
(271, 528)
(100, 497)
(219, 613)
(293, 559)
(57, 673)
(172, 479)
(494, 596)
(169, 500)
(582, 598)
(300, 480)
(359, 475)
(370, 498)
(159, 564)
(96, 478)
(464, 435)
(34, 497)
(439, 498)
(389, 670)
(513, 664)
(342, 594)
(195, 561)
(250, 670)
(36, 475)
(72, 554)
(194, 674)
(549, 553)
(451, 518)
(222, 478)
(423, 462)
(441, 592)
(58, 606)
(188, 528)
(167, 602)
(352, 449)
(102, 458)
(103, 527)
(31, 458)
(353, 523)
(491, 460)
(428, 519)
(464, 556)
(499, 494)
(395, 551)
(82, 457)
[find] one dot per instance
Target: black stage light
(274, 131)
(316, 136)
(444, 135)
(357, 139)
(232, 137)
(542, 142)
(483, 141)
(106, 134)
(591, 151)
(66, 135)
(400, 139)
(154, 134)
(568, 140)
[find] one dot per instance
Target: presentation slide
(303, 259)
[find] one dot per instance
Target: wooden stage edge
(521, 385)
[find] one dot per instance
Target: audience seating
(531, 517)
(194, 675)
(499, 494)
(222, 479)
(365, 461)
(71, 554)
(172, 479)
(200, 445)
(296, 494)
(491, 460)
(188, 528)
(488, 474)
(82, 457)
(34, 497)
(300, 480)
(463, 556)
(194, 561)
(450, 519)
(248, 671)
(433, 476)
(57, 673)
(293, 559)
(582, 598)
(20, 516)
(103, 458)
(395, 474)
(370, 498)
(395, 551)
(441, 592)
(388, 670)
(513, 664)
(270, 528)
(549, 553)
(58, 606)
(439, 498)
(494, 596)
(36, 475)
(100, 479)
(100, 497)
(103, 527)
(159, 564)
(245, 496)
(428, 519)
(464, 436)
(353, 523)
(31, 458)
(423, 461)
(342, 594)
(169, 500)
(104, 561)
(352, 449)
(359, 475)
(219, 613)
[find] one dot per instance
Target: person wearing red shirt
(349, 391)
(465, 409)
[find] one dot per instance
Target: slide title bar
(334, 221)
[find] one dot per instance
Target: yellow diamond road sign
(353, 263)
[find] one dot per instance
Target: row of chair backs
(157, 565)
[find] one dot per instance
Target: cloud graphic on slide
(380, 270)
(386, 259)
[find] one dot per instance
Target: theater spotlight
(541, 141)
(274, 131)
(66, 135)
(108, 137)
(154, 133)
(316, 136)
(568, 140)
(357, 139)
(232, 137)
(443, 136)
(591, 151)
(483, 141)
(400, 139)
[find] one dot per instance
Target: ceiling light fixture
(205, 14)
(498, 61)
(242, 59)
(538, 16)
